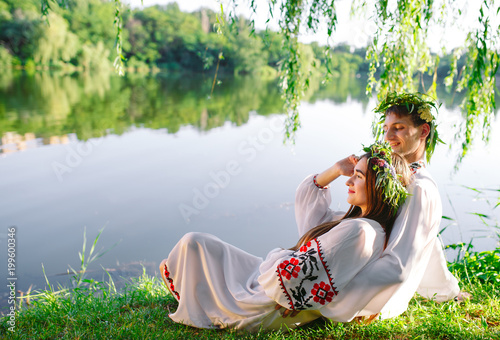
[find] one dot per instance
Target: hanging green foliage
(477, 78)
(399, 56)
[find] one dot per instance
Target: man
(413, 259)
(410, 129)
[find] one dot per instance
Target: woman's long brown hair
(377, 208)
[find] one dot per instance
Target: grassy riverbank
(97, 310)
(93, 309)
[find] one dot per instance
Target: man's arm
(392, 280)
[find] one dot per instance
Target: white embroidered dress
(413, 260)
(218, 285)
(339, 275)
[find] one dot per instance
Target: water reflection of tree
(92, 105)
(339, 90)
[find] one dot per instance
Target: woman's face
(357, 186)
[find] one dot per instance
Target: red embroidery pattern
(305, 246)
(166, 273)
(305, 279)
(415, 166)
(287, 295)
(330, 279)
(290, 268)
(322, 293)
(316, 183)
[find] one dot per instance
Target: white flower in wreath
(425, 113)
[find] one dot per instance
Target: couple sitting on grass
(366, 263)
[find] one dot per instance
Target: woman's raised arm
(344, 167)
(313, 199)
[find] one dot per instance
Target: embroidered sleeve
(312, 205)
(305, 278)
(317, 185)
(311, 277)
(415, 166)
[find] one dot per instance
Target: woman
(218, 285)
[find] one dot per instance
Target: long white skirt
(216, 286)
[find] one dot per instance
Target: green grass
(96, 310)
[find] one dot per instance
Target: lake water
(151, 158)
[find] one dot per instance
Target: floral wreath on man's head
(416, 103)
(380, 161)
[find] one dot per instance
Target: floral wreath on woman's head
(415, 104)
(387, 179)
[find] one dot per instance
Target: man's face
(404, 137)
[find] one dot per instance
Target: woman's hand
(345, 166)
(287, 312)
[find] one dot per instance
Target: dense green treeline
(82, 36)
(79, 36)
